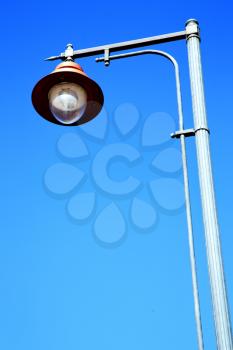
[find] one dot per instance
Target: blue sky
(116, 279)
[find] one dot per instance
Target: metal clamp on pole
(188, 132)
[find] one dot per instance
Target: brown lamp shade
(70, 72)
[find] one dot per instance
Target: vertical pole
(213, 246)
(191, 248)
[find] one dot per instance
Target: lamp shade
(83, 103)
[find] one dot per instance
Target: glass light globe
(67, 102)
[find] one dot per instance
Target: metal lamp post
(67, 96)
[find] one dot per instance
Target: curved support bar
(163, 54)
(182, 136)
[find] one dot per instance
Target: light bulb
(67, 102)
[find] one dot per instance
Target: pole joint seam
(189, 36)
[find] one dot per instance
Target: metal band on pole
(213, 246)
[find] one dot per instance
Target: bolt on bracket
(106, 57)
(69, 52)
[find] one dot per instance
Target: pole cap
(191, 20)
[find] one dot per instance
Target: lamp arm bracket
(122, 46)
(186, 133)
(191, 30)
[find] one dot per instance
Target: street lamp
(68, 97)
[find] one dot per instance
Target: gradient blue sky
(60, 289)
